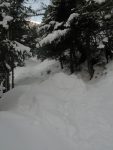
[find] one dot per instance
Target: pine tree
(13, 25)
(75, 31)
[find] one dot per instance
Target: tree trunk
(8, 81)
(71, 61)
(90, 68)
(61, 63)
(12, 78)
(89, 57)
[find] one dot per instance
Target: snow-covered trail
(79, 112)
(21, 133)
(35, 71)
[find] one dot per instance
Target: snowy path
(68, 109)
(35, 71)
(20, 133)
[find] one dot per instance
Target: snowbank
(35, 72)
(20, 133)
(78, 112)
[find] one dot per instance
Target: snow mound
(35, 71)
(64, 81)
(80, 112)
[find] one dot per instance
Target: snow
(57, 25)
(101, 45)
(35, 71)
(20, 47)
(56, 35)
(19, 133)
(100, 1)
(1, 89)
(108, 16)
(36, 22)
(5, 21)
(52, 23)
(105, 39)
(71, 18)
(5, 4)
(59, 112)
(43, 27)
(7, 66)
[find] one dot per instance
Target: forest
(56, 74)
(76, 33)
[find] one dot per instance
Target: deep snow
(58, 108)
(19, 133)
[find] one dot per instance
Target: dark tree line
(15, 32)
(76, 33)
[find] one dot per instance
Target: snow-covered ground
(35, 71)
(21, 133)
(51, 110)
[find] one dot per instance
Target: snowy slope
(19, 133)
(79, 113)
(35, 71)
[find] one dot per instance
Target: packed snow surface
(19, 133)
(59, 111)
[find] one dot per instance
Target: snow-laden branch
(55, 35)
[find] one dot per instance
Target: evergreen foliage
(76, 33)
(13, 27)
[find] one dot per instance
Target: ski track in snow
(80, 112)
